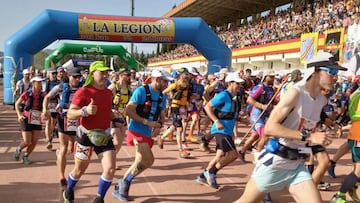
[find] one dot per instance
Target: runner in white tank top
(293, 121)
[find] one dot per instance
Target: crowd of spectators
(283, 25)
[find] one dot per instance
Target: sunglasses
(331, 71)
(54, 73)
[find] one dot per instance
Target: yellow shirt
(175, 87)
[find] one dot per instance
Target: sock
(310, 168)
(129, 177)
(71, 182)
(202, 174)
(349, 182)
(104, 185)
(18, 149)
(25, 154)
(213, 170)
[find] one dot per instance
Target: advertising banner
(126, 29)
(309, 46)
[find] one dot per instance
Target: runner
(29, 118)
(223, 111)
(146, 110)
(92, 105)
(293, 122)
(67, 127)
(50, 83)
(353, 178)
(181, 94)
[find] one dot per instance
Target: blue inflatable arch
(52, 25)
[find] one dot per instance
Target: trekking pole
(262, 113)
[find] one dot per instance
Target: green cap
(96, 65)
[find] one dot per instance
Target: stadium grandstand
(269, 34)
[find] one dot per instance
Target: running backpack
(144, 110)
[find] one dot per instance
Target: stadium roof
(218, 12)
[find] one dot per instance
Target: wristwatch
(84, 112)
(304, 134)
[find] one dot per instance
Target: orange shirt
(354, 132)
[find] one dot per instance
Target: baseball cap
(94, 66)
(36, 79)
(25, 71)
(324, 59)
(124, 71)
(267, 73)
(183, 70)
(193, 71)
(157, 73)
(74, 71)
(233, 77)
(60, 68)
(294, 74)
(52, 70)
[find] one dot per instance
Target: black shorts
(84, 140)
(54, 114)
(60, 120)
(224, 142)
(25, 126)
(176, 118)
(317, 148)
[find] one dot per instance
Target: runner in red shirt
(92, 105)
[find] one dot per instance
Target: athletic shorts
(25, 126)
(83, 140)
(260, 123)
(176, 117)
(54, 114)
(355, 150)
(224, 142)
(140, 138)
(60, 120)
(269, 178)
(317, 149)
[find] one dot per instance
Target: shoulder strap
(357, 63)
(147, 92)
(65, 95)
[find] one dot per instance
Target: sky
(14, 14)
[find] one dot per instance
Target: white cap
(267, 73)
(233, 77)
(193, 71)
(37, 79)
(25, 71)
(161, 73)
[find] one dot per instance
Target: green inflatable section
(69, 48)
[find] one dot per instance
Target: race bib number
(52, 107)
(70, 125)
(183, 113)
(35, 117)
(83, 152)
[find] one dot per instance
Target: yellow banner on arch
(128, 29)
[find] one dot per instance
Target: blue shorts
(269, 178)
(259, 123)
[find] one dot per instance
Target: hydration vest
(120, 94)
(144, 110)
(65, 95)
(235, 107)
(30, 102)
(50, 85)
